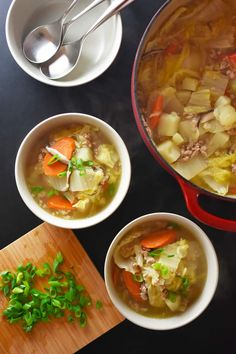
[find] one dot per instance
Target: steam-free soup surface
(159, 269)
(75, 173)
(187, 91)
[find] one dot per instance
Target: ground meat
(190, 115)
(227, 69)
(164, 293)
(201, 117)
(188, 151)
(150, 260)
(214, 54)
(234, 168)
(232, 149)
(231, 131)
(143, 292)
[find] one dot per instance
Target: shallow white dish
(43, 129)
(194, 310)
(99, 50)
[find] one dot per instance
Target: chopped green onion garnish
(37, 189)
(173, 225)
(57, 261)
(79, 164)
(138, 278)
(164, 270)
(156, 252)
(156, 266)
(185, 282)
(170, 255)
(28, 305)
(53, 159)
(111, 189)
(89, 163)
(62, 174)
(52, 192)
(172, 296)
(99, 304)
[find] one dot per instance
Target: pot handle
(191, 195)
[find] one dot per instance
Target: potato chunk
(168, 124)
(178, 139)
(226, 115)
(169, 151)
(223, 101)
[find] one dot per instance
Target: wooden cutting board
(57, 337)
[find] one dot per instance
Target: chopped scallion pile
(62, 296)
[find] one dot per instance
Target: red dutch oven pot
(191, 191)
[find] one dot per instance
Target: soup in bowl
(72, 170)
(161, 271)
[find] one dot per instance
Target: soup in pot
(187, 91)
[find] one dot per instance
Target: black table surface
(24, 102)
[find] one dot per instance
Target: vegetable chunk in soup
(187, 91)
(159, 269)
(76, 173)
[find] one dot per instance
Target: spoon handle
(74, 2)
(87, 8)
(114, 8)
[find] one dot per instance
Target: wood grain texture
(57, 337)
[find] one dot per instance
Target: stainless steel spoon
(63, 62)
(43, 42)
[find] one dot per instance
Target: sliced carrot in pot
(232, 190)
(156, 113)
(159, 238)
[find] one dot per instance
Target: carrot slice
(59, 203)
(172, 48)
(157, 110)
(54, 169)
(232, 58)
(232, 190)
(159, 239)
(132, 286)
(65, 146)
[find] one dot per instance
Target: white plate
(99, 50)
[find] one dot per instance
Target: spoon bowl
(42, 43)
(68, 55)
(66, 58)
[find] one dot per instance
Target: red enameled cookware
(191, 191)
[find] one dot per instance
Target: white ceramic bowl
(99, 50)
(43, 129)
(197, 307)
